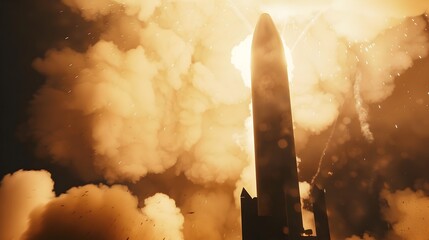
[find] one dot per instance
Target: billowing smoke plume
(337, 43)
(100, 212)
(149, 93)
(408, 212)
(21, 193)
(93, 212)
(211, 214)
(169, 92)
(157, 92)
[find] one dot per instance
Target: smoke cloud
(335, 37)
(21, 193)
(157, 94)
(101, 212)
(95, 212)
(365, 237)
(407, 211)
(211, 214)
(123, 112)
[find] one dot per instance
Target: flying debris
(276, 211)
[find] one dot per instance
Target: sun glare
(241, 59)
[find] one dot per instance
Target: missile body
(276, 212)
(276, 168)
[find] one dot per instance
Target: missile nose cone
(269, 72)
(266, 34)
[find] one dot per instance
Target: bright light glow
(289, 61)
(241, 59)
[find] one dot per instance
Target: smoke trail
(324, 152)
(361, 110)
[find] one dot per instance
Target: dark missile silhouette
(276, 211)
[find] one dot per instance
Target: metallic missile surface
(276, 212)
(276, 168)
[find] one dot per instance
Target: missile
(276, 168)
(276, 211)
